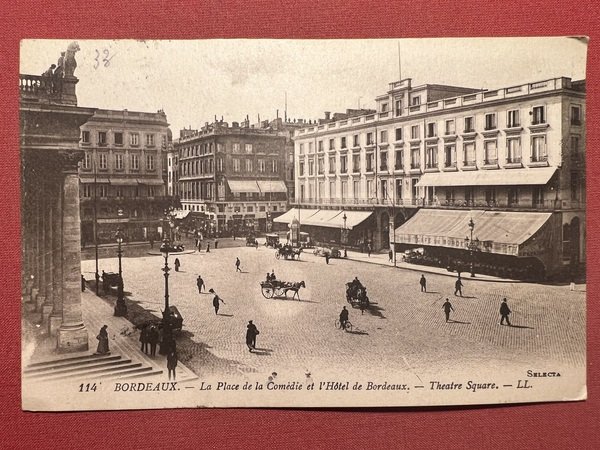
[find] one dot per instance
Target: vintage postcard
(302, 223)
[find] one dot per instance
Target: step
(61, 360)
(147, 371)
(75, 370)
(142, 375)
(100, 373)
(59, 364)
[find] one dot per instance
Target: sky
(194, 81)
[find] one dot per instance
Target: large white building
(519, 148)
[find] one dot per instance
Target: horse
(294, 287)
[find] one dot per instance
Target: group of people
(505, 311)
(457, 285)
(149, 337)
(271, 276)
(54, 73)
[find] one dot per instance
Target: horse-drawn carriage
(272, 240)
(356, 295)
(172, 247)
(109, 279)
(278, 288)
(288, 252)
(251, 241)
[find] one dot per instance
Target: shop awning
(500, 177)
(91, 180)
(243, 186)
(181, 214)
(273, 186)
(323, 218)
(150, 181)
(353, 218)
(300, 214)
(498, 231)
(123, 181)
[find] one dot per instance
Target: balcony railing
(539, 158)
(415, 165)
(450, 165)
(514, 160)
(469, 163)
(546, 205)
(491, 162)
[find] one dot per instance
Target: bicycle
(348, 326)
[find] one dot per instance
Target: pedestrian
(504, 312)
(216, 300)
(177, 264)
(144, 334)
(237, 265)
(423, 283)
(199, 245)
(369, 249)
(458, 286)
(344, 315)
(251, 334)
(447, 307)
(200, 284)
(153, 338)
(208, 247)
(102, 341)
(327, 258)
(216, 244)
(172, 362)
(151, 243)
(390, 255)
(83, 283)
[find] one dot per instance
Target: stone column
(42, 211)
(48, 259)
(55, 318)
(35, 249)
(72, 334)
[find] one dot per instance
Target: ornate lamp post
(472, 245)
(345, 235)
(167, 341)
(120, 307)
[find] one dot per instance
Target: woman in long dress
(103, 341)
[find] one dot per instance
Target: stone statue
(69, 63)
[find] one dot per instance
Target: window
(369, 159)
(249, 209)
(383, 136)
(85, 137)
(370, 190)
(355, 140)
(399, 189)
(332, 164)
(274, 165)
(310, 147)
(399, 162)
(344, 189)
(415, 158)
(575, 115)
(103, 163)
(490, 121)
(384, 107)
(450, 127)
(450, 155)
(320, 146)
(102, 190)
(118, 138)
(150, 162)
(355, 163)
(119, 161)
(490, 196)
(513, 119)
(343, 144)
(513, 150)
(384, 193)
(370, 139)
(134, 139)
(431, 157)
(398, 108)
(300, 149)
(87, 161)
(135, 162)
(513, 196)
(248, 165)
(539, 115)
(149, 140)
(538, 196)
(575, 186)
(236, 164)
(332, 189)
(398, 134)
(331, 144)
(301, 168)
(415, 101)
(248, 148)
(490, 152)
(164, 140)
(469, 153)
(220, 164)
(575, 149)
(262, 167)
(235, 148)
(414, 132)
(538, 149)
(383, 161)
(311, 167)
(344, 164)
(469, 124)
(356, 189)
(88, 190)
(118, 191)
(101, 137)
(431, 129)
(321, 166)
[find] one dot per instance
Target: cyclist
(343, 318)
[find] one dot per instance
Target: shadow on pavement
(262, 351)
(458, 321)
(359, 332)
(520, 326)
(225, 315)
(375, 310)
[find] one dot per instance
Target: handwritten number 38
(106, 59)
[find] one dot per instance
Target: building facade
(234, 178)
(121, 175)
(518, 150)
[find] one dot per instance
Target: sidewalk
(382, 260)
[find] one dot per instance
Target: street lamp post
(120, 306)
(345, 235)
(166, 343)
(472, 245)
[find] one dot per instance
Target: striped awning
(243, 186)
(501, 177)
(273, 186)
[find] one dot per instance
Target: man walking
(344, 315)
(237, 265)
(216, 244)
(458, 286)
(327, 258)
(447, 307)
(216, 300)
(390, 256)
(200, 284)
(423, 283)
(251, 334)
(504, 312)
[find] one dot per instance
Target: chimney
(327, 115)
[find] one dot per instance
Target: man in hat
(251, 333)
(504, 312)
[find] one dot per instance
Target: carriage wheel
(348, 326)
(338, 324)
(267, 292)
(279, 292)
(277, 255)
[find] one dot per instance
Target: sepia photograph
(302, 223)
